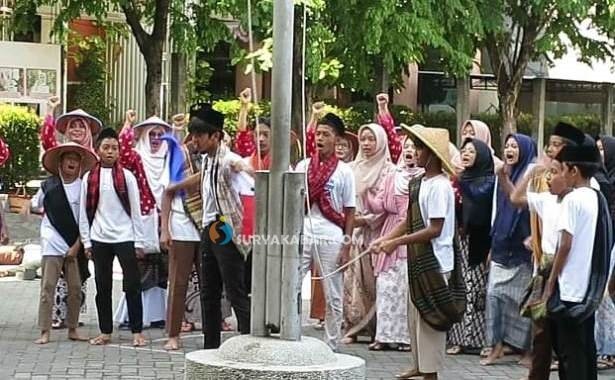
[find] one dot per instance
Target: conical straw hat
(62, 121)
(436, 139)
(51, 158)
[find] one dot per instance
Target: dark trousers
(576, 348)
(542, 350)
(103, 254)
(222, 266)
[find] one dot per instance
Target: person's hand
(548, 291)
(131, 116)
(318, 109)
(527, 243)
(140, 253)
(375, 246)
(245, 96)
(504, 171)
(179, 120)
(72, 253)
(388, 246)
(382, 99)
(53, 102)
(344, 255)
(238, 166)
(88, 253)
(165, 239)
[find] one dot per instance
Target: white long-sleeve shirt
(111, 223)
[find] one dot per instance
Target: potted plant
(19, 128)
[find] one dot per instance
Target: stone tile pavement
(61, 359)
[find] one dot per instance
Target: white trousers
(428, 345)
(333, 287)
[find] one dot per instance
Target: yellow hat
(436, 139)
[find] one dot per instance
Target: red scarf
(319, 173)
(265, 162)
(93, 195)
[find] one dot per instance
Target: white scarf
(156, 165)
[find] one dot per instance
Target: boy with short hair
(110, 225)
(580, 269)
(436, 287)
(60, 197)
(328, 227)
(222, 257)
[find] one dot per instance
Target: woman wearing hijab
(79, 127)
(372, 165)
(391, 271)
(152, 151)
(510, 268)
(478, 130)
(476, 183)
(604, 331)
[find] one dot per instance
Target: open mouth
(71, 167)
(319, 145)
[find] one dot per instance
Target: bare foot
(138, 340)
(409, 374)
(44, 339)
(496, 353)
(74, 335)
(101, 340)
(172, 344)
(349, 340)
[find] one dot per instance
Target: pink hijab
(482, 133)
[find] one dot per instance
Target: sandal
(404, 348)
(603, 363)
(58, 325)
(455, 350)
(377, 346)
(554, 365)
(409, 374)
(100, 340)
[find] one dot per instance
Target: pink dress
(391, 271)
(395, 207)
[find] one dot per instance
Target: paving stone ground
(61, 359)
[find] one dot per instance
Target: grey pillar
(294, 198)
(258, 321)
(607, 110)
(463, 105)
(281, 97)
(539, 95)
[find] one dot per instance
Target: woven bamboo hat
(63, 121)
(154, 121)
(51, 158)
(436, 139)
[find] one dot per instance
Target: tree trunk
(508, 111)
(153, 62)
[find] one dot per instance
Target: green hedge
(361, 113)
(19, 129)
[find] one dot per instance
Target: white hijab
(156, 164)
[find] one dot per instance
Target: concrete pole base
(250, 357)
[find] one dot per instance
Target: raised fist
(131, 116)
(179, 119)
(245, 96)
(53, 101)
(318, 108)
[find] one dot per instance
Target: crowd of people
(413, 244)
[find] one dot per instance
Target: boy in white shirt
(431, 238)
(328, 226)
(60, 197)
(110, 225)
(580, 269)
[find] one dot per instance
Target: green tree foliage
(515, 33)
